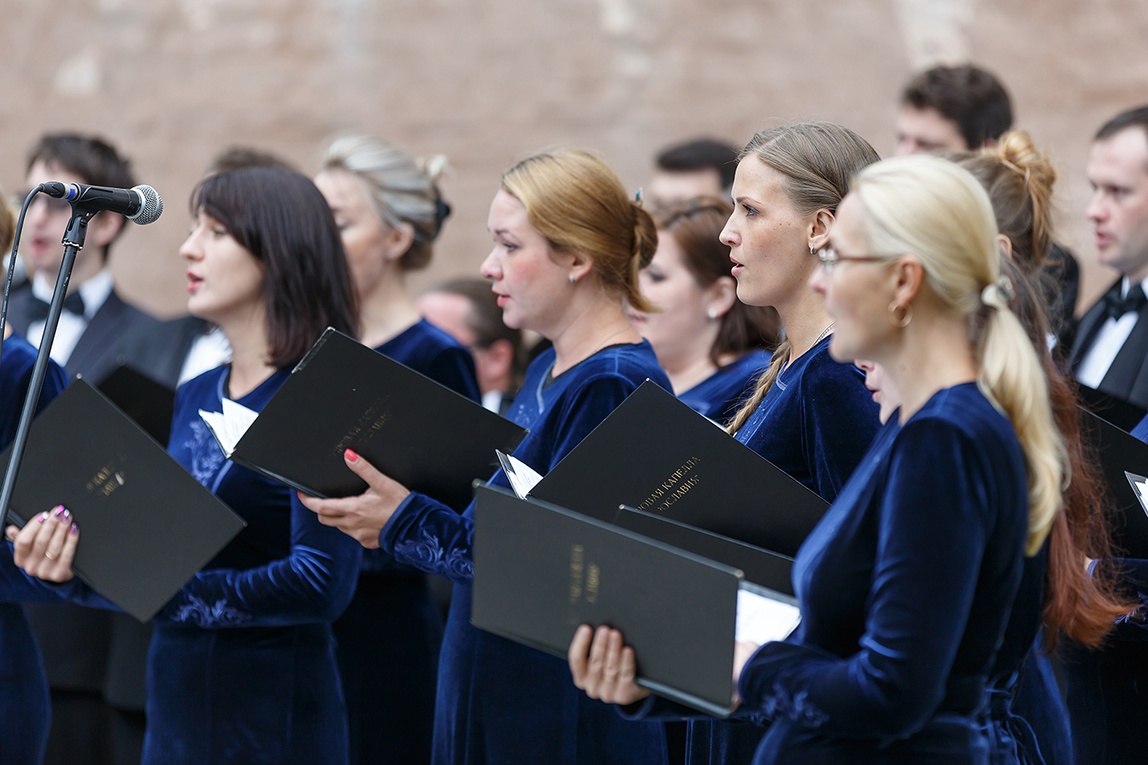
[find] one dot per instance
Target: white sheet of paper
(761, 619)
(522, 477)
(229, 425)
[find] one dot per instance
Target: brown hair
(818, 160)
(1080, 606)
(1019, 179)
(967, 95)
(696, 224)
(7, 223)
(578, 204)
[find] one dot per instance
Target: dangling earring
(905, 319)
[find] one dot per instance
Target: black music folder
(149, 402)
(146, 525)
(344, 395)
(656, 454)
(540, 571)
(1120, 453)
(1120, 412)
(762, 567)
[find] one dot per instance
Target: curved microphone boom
(141, 204)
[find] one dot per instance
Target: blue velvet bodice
(498, 701)
(720, 395)
(816, 422)
(24, 707)
(241, 667)
(905, 587)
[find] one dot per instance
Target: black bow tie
(38, 310)
(1117, 306)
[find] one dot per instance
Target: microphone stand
(73, 242)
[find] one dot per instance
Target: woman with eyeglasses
(907, 583)
(808, 414)
(711, 345)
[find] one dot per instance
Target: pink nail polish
(74, 530)
(351, 456)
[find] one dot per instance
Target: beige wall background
(485, 81)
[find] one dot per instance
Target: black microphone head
(151, 208)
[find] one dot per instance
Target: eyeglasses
(829, 258)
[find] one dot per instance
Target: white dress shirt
(1109, 340)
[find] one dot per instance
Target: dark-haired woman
(711, 345)
(242, 662)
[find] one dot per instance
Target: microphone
(141, 204)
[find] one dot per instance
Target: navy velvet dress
(720, 395)
(500, 702)
(1107, 689)
(390, 635)
(25, 713)
(1026, 718)
(241, 668)
(815, 423)
(905, 587)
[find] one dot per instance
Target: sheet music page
(761, 618)
(522, 477)
(229, 425)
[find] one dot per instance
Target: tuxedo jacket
(97, 352)
(1127, 378)
(160, 349)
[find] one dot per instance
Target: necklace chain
(824, 332)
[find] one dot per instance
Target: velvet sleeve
(18, 587)
(454, 368)
(428, 535)
(840, 420)
(930, 544)
(313, 583)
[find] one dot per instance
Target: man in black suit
(94, 314)
(76, 642)
(1111, 348)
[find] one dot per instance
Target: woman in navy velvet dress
(1056, 589)
(808, 414)
(389, 212)
(24, 707)
(568, 248)
(908, 582)
(712, 346)
(1107, 687)
(242, 662)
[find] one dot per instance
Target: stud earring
(572, 279)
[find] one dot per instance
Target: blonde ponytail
(939, 212)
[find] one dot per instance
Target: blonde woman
(907, 583)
